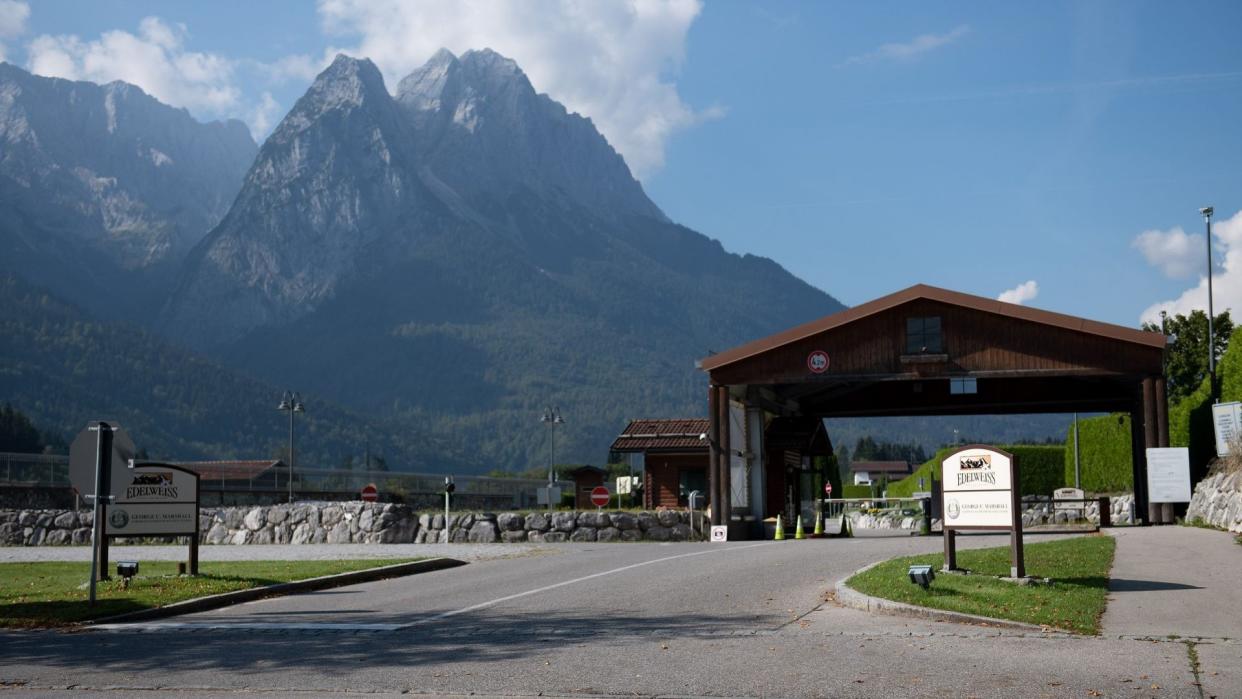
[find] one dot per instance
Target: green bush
(1105, 460)
(1041, 470)
(856, 491)
(1190, 425)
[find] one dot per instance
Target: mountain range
(438, 264)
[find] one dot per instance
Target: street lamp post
(1207, 212)
(551, 418)
(292, 403)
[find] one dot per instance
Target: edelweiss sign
(154, 499)
(978, 489)
(980, 492)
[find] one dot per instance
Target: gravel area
(315, 552)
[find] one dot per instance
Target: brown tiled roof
(923, 291)
(679, 433)
(880, 467)
(229, 470)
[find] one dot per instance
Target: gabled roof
(923, 291)
(229, 470)
(678, 433)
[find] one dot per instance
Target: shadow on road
(483, 635)
(1123, 585)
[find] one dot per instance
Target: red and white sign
(817, 362)
(599, 496)
(370, 493)
(828, 489)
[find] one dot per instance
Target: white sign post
(1168, 474)
(981, 491)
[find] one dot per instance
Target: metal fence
(34, 470)
(52, 471)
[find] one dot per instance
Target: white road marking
(614, 571)
(346, 626)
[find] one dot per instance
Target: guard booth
(672, 456)
(798, 462)
(585, 479)
(920, 351)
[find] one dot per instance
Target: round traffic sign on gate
(600, 496)
(370, 493)
(827, 489)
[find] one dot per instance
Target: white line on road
(614, 571)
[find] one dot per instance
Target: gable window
(963, 386)
(923, 335)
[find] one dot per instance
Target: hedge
(1105, 459)
(1042, 470)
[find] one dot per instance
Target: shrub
(1105, 460)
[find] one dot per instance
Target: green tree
(1187, 364)
(17, 433)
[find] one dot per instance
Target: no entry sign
(370, 493)
(599, 496)
(828, 489)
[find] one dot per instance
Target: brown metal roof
(880, 467)
(923, 291)
(678, 433)
(229, 470)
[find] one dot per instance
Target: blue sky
(864, 146)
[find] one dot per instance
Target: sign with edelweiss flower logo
(980, 492)
(153, 499)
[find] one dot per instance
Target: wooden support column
(713, 452)
(1162, 413)
(726, 456)
(1151, 439)
(1139, 461)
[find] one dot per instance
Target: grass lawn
(54, 594)
(1074, 600)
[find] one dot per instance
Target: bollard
(1106, 512)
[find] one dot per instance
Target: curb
(225, 599)
(847, 596)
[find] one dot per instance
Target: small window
(963, 386)
(923, 336)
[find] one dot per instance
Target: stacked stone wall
(1217, 501)
(365, 523)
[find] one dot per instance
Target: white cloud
(1175, 252)
(1226, 283)
(298, 67)
(264, 115)
(610, 61)
(1020, 294)
(13, 16)
(915, 47)
(154, 59)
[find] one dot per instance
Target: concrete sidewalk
(1174, 580)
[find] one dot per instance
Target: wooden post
(713, 456)
(1139, 463)
(1017, 564)
(1162, 413)
(1151, 439)
(726, 457)
(950, 549)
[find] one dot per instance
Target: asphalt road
(736, 619)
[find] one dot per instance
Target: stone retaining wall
(1217, 501)
(1037, 510)
(371, 523)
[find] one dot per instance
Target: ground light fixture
(126, 570)
(922, 576)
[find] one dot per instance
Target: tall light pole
(1207, 212)
(292, 403)
(551, 418)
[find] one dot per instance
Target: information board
(1168, 474)
(1227, 422)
